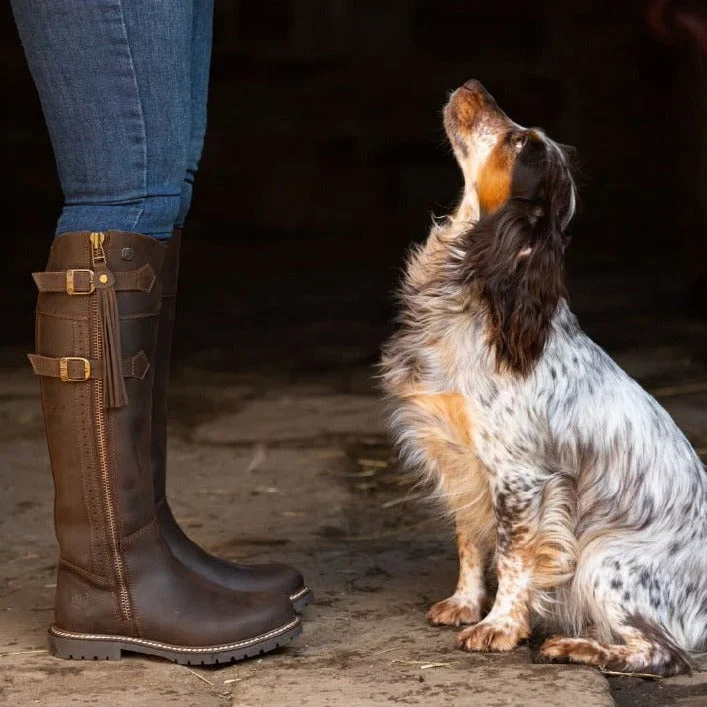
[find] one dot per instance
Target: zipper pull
(98, 255)
(111, 349)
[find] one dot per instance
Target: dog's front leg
(516, 501)
(464, 606)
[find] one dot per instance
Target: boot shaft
(161, 365)
(97, 314)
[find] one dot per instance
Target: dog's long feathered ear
(516, 257)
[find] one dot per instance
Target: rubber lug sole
(83, 646)
(302, 599)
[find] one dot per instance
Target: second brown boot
(241, 577)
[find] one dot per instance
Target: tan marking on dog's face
(485, 142)
(493, 185)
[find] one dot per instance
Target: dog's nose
(473, 85)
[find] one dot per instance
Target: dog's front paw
(454, 611)
(495, 636)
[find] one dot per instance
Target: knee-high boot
(119, 587)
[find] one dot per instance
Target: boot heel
(82, 649)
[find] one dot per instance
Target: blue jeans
(123, 85)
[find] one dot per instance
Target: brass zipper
(98, 256)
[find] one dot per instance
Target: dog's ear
(516, 256)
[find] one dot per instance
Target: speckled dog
(556, 465)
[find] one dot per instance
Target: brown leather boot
(270, 577)
(119, 587)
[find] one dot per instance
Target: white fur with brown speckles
(577, 456)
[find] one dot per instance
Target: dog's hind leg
(647, 648)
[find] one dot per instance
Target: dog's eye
(519, 141)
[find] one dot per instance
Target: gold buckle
(64, 369)
(70, 283)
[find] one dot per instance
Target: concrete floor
(294, 465)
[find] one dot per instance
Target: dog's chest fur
(426, 370)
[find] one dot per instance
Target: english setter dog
(561, 471)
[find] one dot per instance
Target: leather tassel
(116, 395)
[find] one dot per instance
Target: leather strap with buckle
(76, 369)
(81, 281)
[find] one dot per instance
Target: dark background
(325, 157)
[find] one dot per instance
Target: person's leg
(202, 34)
(114, 80)
(107, 74)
